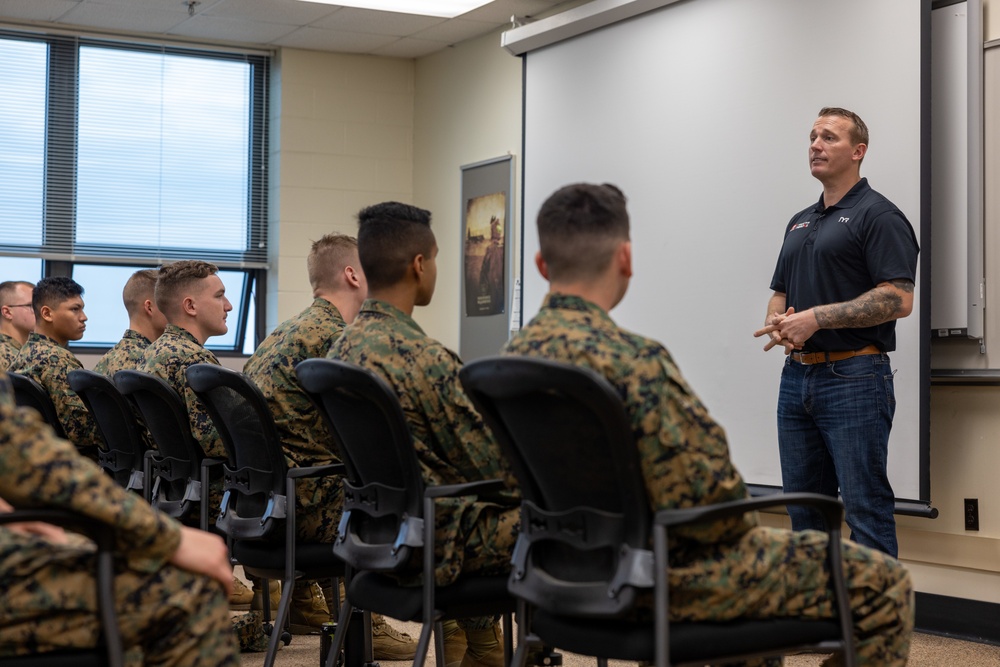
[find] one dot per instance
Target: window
(118, 156)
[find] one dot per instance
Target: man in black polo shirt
(845, 274)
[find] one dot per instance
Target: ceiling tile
(270, 23)
(455, 31)
(124, 17)
(500, 11)
(408, 47)
(231, 30)
(377, 23)
(273, 11)
(333, 40)
(36, 10)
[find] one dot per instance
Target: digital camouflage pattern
(726, 570)
(168, 357)
(174, 616)
(9, 349)
(49, 364)
(304, 437)
(452, 443)
(126, 355)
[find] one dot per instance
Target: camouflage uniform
(168, 358)
(127, 354)
(453, 445)
(9, 349)
(176, 617)
(49, 364)
(724, 570)
(304, 436)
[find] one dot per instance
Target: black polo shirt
(837, 253)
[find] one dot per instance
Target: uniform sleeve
(891, 248)
(461, 427)
(37, 469)
(78, 423)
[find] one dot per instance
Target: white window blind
(123, 153)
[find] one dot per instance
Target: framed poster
(487, 204)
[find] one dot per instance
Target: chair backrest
(118, 425)
(29, 393)
(585, 521)
(176, 466)
(254, 503)
(383, 487)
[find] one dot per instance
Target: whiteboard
(700, 112)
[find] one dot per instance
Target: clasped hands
(790, 330)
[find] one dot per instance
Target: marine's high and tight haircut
(328, 258)
(174, 281)
(390, 235)
(140, 286)
(579, 228)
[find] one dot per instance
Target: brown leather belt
(808, 358)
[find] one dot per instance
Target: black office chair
(117, 423)
(30, 394)
(109, 651)
(177, 473)
(389, 512)
(583, 555)
(258, 505)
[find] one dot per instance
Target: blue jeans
(833, 432)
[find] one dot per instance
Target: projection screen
(700, 111)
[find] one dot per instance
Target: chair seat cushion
(626, 640)
(313, 559)
(76, 658)
(469, 596)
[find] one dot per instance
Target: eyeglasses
(19, 305)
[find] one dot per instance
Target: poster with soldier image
(485, 258)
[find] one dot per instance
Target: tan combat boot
(454, 644)
(485, 648)
(241, 596)
(274, 592)
(309, 611)
(388, 643)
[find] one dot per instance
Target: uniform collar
(382, 309)
(848, 200)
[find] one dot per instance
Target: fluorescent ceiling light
(446, 8)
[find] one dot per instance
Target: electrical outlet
(972, 513)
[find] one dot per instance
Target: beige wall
(468, 109)
(351, 130)
(341, 139)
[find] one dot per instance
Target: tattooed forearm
(875, 306)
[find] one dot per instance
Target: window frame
(58, 249)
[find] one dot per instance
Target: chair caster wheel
(547, 658)
(286, 637)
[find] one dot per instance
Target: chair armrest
(466, 489)
(317, 471)
(831, 509)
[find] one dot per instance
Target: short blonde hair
(328, 258)
(174, 280)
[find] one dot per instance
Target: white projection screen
(700, 111)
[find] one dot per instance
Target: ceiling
(274, 23)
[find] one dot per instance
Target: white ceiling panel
(351, 19)
(344, 42)
(275, 23)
